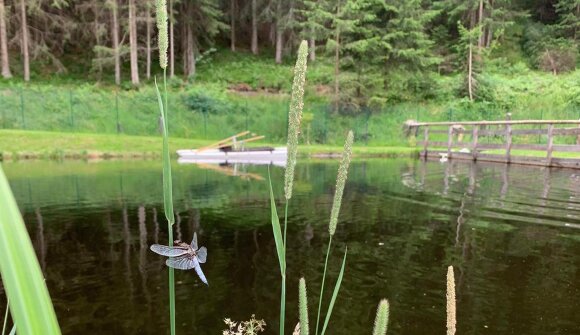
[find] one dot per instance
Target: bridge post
(425, 141)
(550, 146)
(475, 139)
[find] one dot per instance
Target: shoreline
(16, 145)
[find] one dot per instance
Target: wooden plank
(475, 139)
(567, 131)
(567, 148)
(518, 132)
(550, 144)
(425, 140)
(512, 122)
(453, 145)
(522, 160)
(221, 142)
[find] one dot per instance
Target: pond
(511, 232)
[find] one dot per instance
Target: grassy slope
(24, 143)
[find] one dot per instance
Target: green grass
(44, 144)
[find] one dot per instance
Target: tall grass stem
(6, 317)
(322, 286)
(335, 293)
(167, 196)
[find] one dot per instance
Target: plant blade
(167, 181)
(30, 303)
(335, 293)
(277, 230)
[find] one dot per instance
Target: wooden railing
(505, 132)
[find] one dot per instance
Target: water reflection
(510, 231)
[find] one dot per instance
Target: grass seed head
(382, 318)
(295, 116)
(340, 182)
(163, 39)
(451, 309)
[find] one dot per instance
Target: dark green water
(512, 234)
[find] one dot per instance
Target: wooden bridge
(499, 141)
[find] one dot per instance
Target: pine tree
(316, 18)
(569, 18)
(408, 46)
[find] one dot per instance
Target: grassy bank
(22, 144)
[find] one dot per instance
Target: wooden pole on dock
(508, 139)
(550, 144)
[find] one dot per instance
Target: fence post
(117, 111)
(425, 141)
(475, 139)
(22, 107)
(508, 140)
(368, 116)
(550, 146)
(3, 113)
(449, 141)
(72, 118)
(204, 125)
(246, 110)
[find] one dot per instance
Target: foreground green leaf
(30, 303)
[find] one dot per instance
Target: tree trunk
(489, 35)
(115, 27)
(133, 43)
(189, 54)
(336, 70)
(25, 56)
(312, 46)
(233, 25)
(96, 11)
(4, 43)
(279, 33)
(254, 28)
(470, 72)
(148, 18)
(279, 42)
(480, 23)
(171, 42)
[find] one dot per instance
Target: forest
(367, 52)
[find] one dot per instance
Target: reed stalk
(340, 183)
(451, 311)
(303, 307)
(163, 43)
(294, 118)
(382, 318)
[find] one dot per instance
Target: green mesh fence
(95, 110)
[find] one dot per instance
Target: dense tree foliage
(373, 44)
